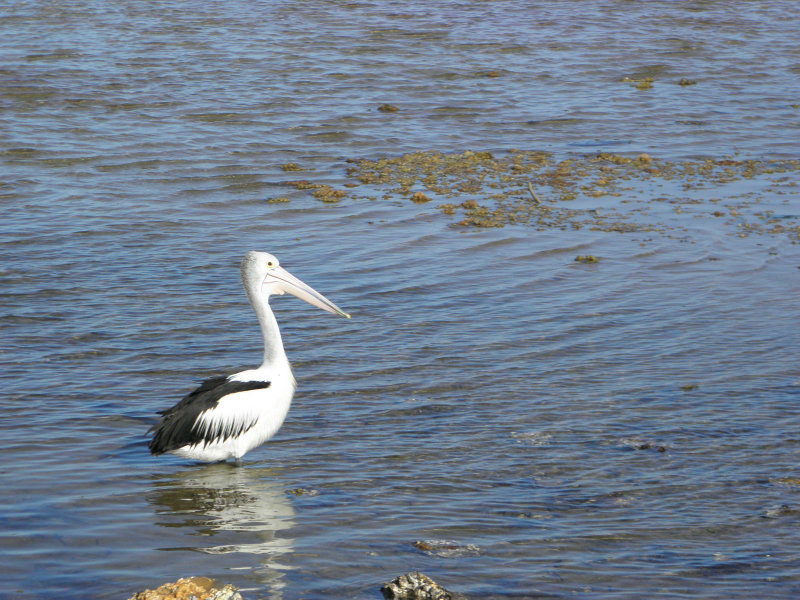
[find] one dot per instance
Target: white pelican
(229, 415)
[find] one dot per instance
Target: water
(507, 420)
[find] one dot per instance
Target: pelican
(227, 416)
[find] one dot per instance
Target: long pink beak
(291, 284)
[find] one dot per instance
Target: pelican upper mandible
(229, 415)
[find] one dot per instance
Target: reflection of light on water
(242, 506)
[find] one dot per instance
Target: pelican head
(262, 274)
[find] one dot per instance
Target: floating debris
(419, 198)
(322, 191)
(388, 108)
(326, 193)
(533, 194)
(685, 82)
(689, 387)
(190, 588)
(292, 167)
(303, 184)
(641, 83)
(589, 258)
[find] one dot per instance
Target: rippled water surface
(497, 415)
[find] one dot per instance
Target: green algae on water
(599, 192)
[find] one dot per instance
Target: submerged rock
(190, 588)
(416, 586)
(636, 443)
(446, 548)
(781, 511)
(411, 586)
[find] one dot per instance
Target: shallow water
(544, 427)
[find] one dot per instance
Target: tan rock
(190, 588)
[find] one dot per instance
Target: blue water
(545, 427)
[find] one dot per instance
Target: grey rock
(417, 586)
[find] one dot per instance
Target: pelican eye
(271, 264)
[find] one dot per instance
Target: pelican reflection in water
(240, 515)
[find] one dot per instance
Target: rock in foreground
(190, 588)
(416, 586)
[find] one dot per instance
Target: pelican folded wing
(192, 420)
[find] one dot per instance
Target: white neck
(274, 353)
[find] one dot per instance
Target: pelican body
(227, 416)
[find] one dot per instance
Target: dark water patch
(21, 153)
(220, 117)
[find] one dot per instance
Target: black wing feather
(178, 425)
